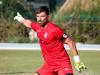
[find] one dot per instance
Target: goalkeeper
(52, 40)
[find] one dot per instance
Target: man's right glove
(19, 17)
(78, 65)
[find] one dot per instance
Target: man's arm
(27, 23)
(72, 46)
(22, 20)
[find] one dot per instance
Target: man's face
(42, 18)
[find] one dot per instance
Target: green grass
(26, 62)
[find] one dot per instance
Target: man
(52, 38)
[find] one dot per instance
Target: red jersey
(52, 47)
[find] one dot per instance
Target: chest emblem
(45, 35)
(38, 30)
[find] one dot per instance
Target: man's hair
(42, 9)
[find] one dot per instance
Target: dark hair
(42, 9)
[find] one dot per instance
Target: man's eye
(42, 16)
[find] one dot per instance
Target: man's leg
(65, 71)
(69, 74)
(36, 73)
(44, 70)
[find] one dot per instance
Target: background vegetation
(10, 30)
(80, 19)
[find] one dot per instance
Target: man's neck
(44, 25)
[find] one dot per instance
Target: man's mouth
(40, 21)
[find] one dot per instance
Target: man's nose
(39, 18)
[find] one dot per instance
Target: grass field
(26, 62)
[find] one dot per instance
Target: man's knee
(36, 73)
(69, 74)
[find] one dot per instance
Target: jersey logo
(38, 30)
(45, 35)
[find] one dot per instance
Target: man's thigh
(69, 74)
(65, 71)
(45, 70)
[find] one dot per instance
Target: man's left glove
(78, 65)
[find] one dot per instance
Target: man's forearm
(73, 48)
(27, 23)
(71, 45)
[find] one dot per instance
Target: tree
(80, 19)
(8, 30)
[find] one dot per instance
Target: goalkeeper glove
(19, 17)
(78, 65)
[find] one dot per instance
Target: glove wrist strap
(76, 59)
(21, 19)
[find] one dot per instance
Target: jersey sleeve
(64, 36)
(34, 26)
(59, 33)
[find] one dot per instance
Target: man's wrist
(21, 19)
(76, 59)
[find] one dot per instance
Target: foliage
(10, 30)
(83, 26)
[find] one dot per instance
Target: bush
(82, 26)
(10, 30)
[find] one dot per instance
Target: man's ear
(48, 16)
